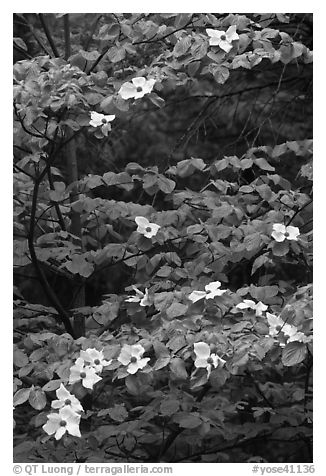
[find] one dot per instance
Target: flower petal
(225, 46)
(278, 236)
(137, 350)
(60, 432)
(279, 227)
(202, 350)
(127, 91)
(62, 393)
(214, 34)
(196, 295)
(293, 232)
(142, 222)
(213, 286)
(139, 82)
(231, 33)
(125, 355)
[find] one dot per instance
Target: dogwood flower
(100, 120)
(204, 358)
(84, 373)
(223, 39)
(60, 423)
(275, 323)
(137, 88)
(298, 336)
(131, 355)
(282, 232)
(95, 359)
(140, 297)
(146, 228)
(259, 307)
(66, 399)
(211, 290)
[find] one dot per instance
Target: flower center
(82, 374)
(223, 37)
(278, 328)
(139, 89)
(67, 402)
(104, 121)
(148, 229)
(63, 423)
(209, 360)
(133, 360)
(96, 362)
(286, 234)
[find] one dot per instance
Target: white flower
(84, 373)
(258, 307)
(282, 232)
(295, 335)
(66, 399)
(100, 120)
(137, 88)
(59, 423)
(211, 290)
(223, 39)
(131, 355)
(146, 228)
(95, 359)
(275, 324)
(140, 297)
(204, 358)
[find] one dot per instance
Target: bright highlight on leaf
(223, 39)
(137, 88)
(282, 232)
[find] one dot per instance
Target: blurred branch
(48, 35)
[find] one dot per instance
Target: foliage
(179, 286)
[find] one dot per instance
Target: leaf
(90, 55)
(52, 385)
(182, 19)
(246, 163)
(37, 398)
(280, 249)
(118, 413)
(188, 421)
(165, 184)
(20, 359)
(79, 265)
(260, 261)
(178, 368)
(264, 165)
(21, 43)
(294, 353)
(21, 396)
(169, 407)
(116, 54)
(182, 46)
(176, 309)
(221, 74)
(137, 384)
